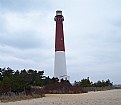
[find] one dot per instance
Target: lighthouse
(60, 70)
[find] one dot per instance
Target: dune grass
(19, 98)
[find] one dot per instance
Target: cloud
(24, 30)
(25, 59)
(24, 6)
(23, 40)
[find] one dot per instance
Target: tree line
(88, 83)
(21, 80)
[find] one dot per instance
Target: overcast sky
(92, 30)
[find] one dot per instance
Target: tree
(103, 83)
(108, 83)
(84, 83)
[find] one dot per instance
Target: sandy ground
(110, 97)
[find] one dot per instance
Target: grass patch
(19, 98)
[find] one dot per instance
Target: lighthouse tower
(60, 60)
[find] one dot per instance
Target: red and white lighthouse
(60, 59)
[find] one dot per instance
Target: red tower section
(59, 37)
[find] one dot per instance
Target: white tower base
(60, 65)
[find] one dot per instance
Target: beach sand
(110, 97)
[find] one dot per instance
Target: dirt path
(110, 97)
